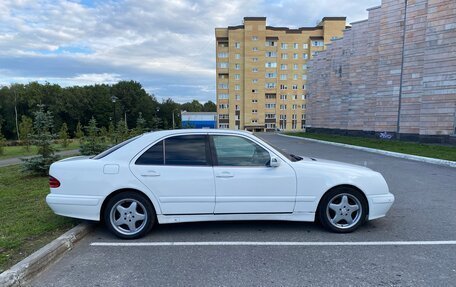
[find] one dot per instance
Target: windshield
(114, 148)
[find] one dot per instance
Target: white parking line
(272, 243)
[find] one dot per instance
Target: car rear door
(245, 183)
(178, 170)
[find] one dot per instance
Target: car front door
(178, 170)
(245, 183)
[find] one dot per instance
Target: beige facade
(262, 72)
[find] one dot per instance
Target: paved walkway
(17, 160)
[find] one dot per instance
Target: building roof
(199, 113)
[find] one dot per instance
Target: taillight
(53, 182)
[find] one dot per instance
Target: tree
(25, 131)
(2, 141)
(79, 133)
(209, 106)
(122, 131)
(112, 132)
(42, 138)
(63, 135)
(92, 144)
(140, 125)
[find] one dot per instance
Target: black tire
(340, 222)
(137, 218)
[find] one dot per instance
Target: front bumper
(379, 205)
(83, 207)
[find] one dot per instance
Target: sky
(168, 46)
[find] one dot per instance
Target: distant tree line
(112, 107)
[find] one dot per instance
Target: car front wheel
(129, 215)
(342, 210)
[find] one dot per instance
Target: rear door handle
(225, 174)
(150, 173)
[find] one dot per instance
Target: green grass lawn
(427, 150)
(18, 151)
(27, 223)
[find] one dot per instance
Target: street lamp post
(114, 99)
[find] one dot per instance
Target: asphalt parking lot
(408, 249)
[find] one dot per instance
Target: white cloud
(168, 46)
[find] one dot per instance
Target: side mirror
(274, 162)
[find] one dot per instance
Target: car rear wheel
(342, 210)
(129, 215)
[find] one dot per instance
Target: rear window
(114, 148)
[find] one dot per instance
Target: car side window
(187, 150)
(239, 151)
(153, 156)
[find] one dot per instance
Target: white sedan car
(206, 175)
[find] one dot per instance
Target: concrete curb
(442, 162)
(25, 270)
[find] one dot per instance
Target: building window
(317, 43)
(294, 106)
(270, 106)
(270, 96)
(237, 76)
(303, 97)
(270, 43)
(304, 77)
(254, 121)
(254, 101)
(254, 81)
(295, 56)
(295, 45)
(223, 96)
(271, 75)
(237, 66)
(294, 97)
(305, 46)
(254, 111)
(283, 87)
(270, 85)
(314, 53)
(295, 77)
(305, 56)
(223, 65)
(295, 66)
(223, 55)
(254, 49)
(254, 91)
(254, 38)
(284, 56)
(270, 64)
(237, 87)
(294, 87)
(237, 108)
(224, 117)
(270, 116)
(283, 77)
(271, 54)
(223, 86)
(237, 56)
(223, 106)
(254, 59)
(303, 106)
(284, 46)
(304, 87)
(237, 97)
(283, 117)
(255, 70)
(270, 125)
(283, 97)
(283, 67)
(223, 126)
(304, 67)
(237, 45)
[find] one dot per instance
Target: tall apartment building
(262, 72)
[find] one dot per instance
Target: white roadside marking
(272, 243)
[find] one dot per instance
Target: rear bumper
(83, 207)
(379, 205)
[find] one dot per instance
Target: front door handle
(225, 174)
(150, 173)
